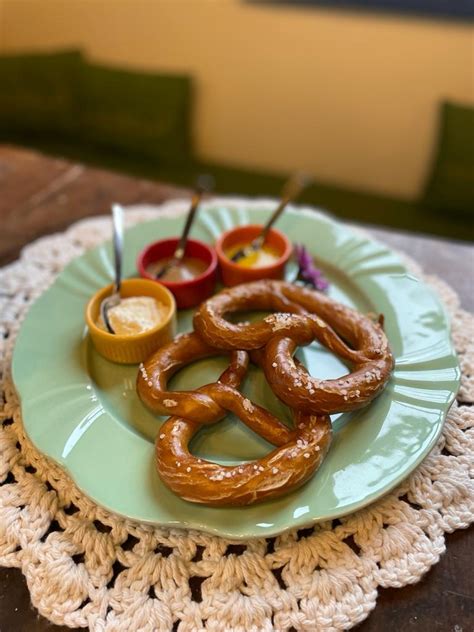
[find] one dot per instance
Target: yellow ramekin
(132, 349)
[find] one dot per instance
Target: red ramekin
(232, 273)
(187, 293)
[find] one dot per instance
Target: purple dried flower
(307, 272)
(303, 257)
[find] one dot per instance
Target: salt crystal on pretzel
(309, 315)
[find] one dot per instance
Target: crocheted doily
(86, 567)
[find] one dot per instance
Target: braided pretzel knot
(199, 405)
(304, 315)
(299, 451)
(209, 403)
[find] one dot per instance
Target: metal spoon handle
(291, 190)
(179, 252)
(117, 220)
(203, 185)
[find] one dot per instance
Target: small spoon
(114, 299)
(291, 190)
(204, 184)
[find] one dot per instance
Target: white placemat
(86, 567)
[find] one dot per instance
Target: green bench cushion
(139, 123)
(344, 203)
(38, 93)
(451, 183)
(136, 113)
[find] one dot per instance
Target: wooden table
(41, 195)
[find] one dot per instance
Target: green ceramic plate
(83, 412)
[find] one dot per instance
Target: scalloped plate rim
(295, 522)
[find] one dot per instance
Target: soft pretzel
(305, 315)
(299, 453)
(287, 467)
(302, 315)
(208, 403)
(199, 405)
(308, 394)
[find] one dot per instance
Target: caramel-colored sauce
(189, 268)
(264, 256)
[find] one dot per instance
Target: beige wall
(1, 23)
(351, 97)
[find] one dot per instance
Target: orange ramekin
(232, 273)
(132, 349)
